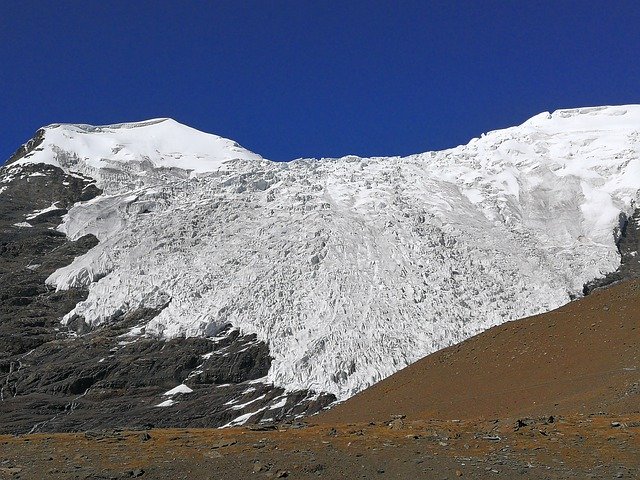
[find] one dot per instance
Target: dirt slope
(581, 358)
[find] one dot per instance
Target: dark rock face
(629, 248)
(28, 147)
(66, 378)
(107, 379)
(29, 310)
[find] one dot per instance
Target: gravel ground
(581, 446)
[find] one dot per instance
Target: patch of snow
(166, 403)
(37, 213)
(134, 332)
(257, 380)
(10, 173)
(242, 419)
(23, 225)
(182, 388)
(242, 405)
(279, 404)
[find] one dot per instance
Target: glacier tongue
(352, 268)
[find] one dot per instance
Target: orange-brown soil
(568, 447)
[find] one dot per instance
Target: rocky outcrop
(629, 249)
(28, 147)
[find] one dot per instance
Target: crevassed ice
(352, 268)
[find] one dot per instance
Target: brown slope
(582, 357)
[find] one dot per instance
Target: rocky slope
(332, 273)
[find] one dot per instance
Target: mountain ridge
(350, 269)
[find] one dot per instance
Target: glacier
(351, 268)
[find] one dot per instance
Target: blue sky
(314, 78)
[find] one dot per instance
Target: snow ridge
(350, 268)
(125, 156)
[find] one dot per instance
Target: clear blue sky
(314, 78)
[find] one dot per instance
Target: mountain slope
(581, 358)
(347, 269)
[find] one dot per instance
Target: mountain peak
(115, 126)
(160, 143)
(588, 118)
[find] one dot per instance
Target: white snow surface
(123, 155)
(351, 268)
(182, 388)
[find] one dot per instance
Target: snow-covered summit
(128, 152)
(587, 118)
(352, 268)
